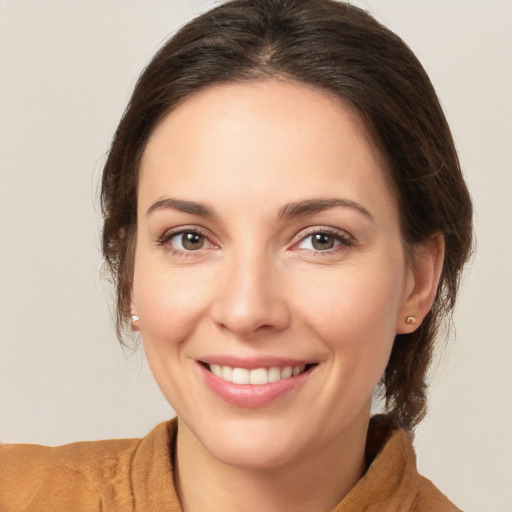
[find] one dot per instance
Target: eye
(186, 241)
(323, 241)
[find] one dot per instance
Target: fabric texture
(136, 475)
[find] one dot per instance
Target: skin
(257, 286)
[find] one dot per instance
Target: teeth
(286, 372)
(274, 374)
(240, 376)
(257, 376)
(216, 369)
(227, 373)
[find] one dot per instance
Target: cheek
(169, 302)
(171, 306)
(354, 310)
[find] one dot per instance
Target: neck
(316, 481)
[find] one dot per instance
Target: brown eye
(322, 241)
(187, 241)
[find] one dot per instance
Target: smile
(252, 384)
(257, 376)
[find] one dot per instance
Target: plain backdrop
(66, 72)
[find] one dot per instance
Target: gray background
(66, 72)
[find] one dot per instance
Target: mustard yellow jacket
(136, 475)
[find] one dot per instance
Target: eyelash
(345, 240)
(170, 234)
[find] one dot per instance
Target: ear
(421, 285)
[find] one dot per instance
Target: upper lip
(251, 363)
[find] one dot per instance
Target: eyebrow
(296, 209)
(311, 206)
(183, 206)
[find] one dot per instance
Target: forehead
(265, 138)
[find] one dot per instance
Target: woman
(285, 222)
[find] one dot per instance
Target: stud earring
(135, 325)
(410, 320)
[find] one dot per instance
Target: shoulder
(430, 499)
(392, 479)
(423, 495)
(77, 476)
(73, 475)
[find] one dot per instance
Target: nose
(250, 299)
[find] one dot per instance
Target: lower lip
(252, 396)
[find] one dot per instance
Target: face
(270, 275)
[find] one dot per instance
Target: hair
(341, 49)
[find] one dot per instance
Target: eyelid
(345, 238)
(172, 232)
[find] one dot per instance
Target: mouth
(256, 376)
(253, 383)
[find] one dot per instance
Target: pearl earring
(135, 318)
(410, 320)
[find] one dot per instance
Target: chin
(259, 444)
(251, 454)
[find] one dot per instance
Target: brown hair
(341, 49)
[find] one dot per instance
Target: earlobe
(425, 273)
(134, 316)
